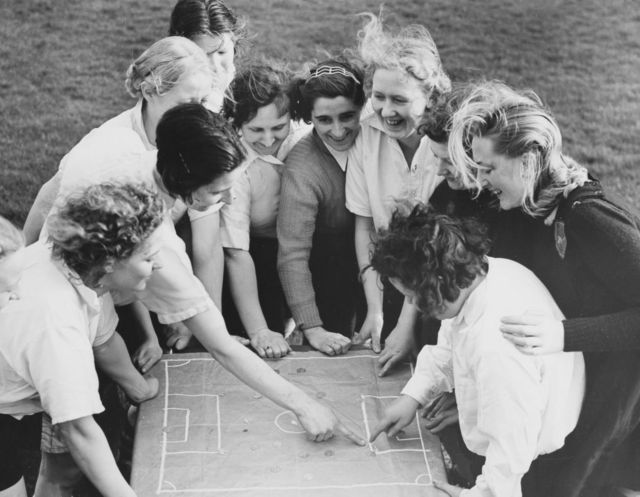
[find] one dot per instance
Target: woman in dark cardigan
(316, 258)
(586, 249)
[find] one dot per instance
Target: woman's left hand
(451, 490)
(534, 333)
(147, 355)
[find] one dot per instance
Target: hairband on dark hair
(328, 70)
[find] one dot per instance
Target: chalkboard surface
(207, 434)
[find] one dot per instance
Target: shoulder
(592, 213)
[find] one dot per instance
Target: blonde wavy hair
(411, 51)
(519, 125)
(161, 66)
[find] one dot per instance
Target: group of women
(281, 183)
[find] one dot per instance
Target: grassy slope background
(62, 67)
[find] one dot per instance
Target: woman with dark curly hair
(390, 161)
(102, 239)
(512, 407)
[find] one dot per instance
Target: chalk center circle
(288, 422)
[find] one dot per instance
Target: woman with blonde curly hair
(102, 239)
(585, 247)
(390, 161)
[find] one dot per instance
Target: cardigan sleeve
(607, 239)
(299, 203)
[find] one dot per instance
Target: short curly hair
(431, 254)
(101, 224)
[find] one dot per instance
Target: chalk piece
(301, 370)
(308, 477)
(294, 422)
(257, 396)
(328, 452)
(321, 395)
(245, 421)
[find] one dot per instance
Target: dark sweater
(312, 215)
(596, 283)
(507, 230)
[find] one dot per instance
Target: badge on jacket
(560, 237)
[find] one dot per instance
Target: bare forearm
(244, 289)
(370, 280)
(209, 271)
(91, 452)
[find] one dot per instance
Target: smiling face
(498, 173)
(266, 131)
(445, 167)
(337, 121)
(193, 87)
(11, 267)
(398, 101)
(132, 274)
(220, 52)
(219, 190)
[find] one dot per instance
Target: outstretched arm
(91, 452)
(319, 421)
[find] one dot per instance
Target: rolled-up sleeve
(235, 218)
(357, 196)
(434, 372)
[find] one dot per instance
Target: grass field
(62, 67)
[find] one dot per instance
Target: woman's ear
(147, 91)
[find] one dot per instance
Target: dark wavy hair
(431, 254)
(436, 122)
(191, 18)
(101, 224)
(320, 82)
(256, 86)
(195, 147)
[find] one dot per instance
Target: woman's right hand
(269, 344)
(321, 424)
(371, 328)
(327, 342)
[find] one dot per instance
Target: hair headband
(328, 70)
